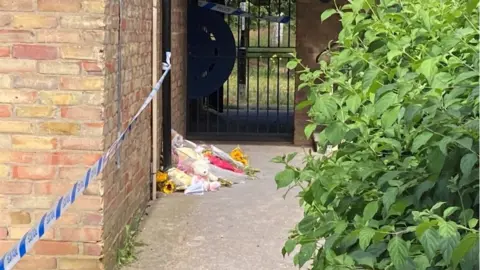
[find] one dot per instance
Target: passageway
(243, 227)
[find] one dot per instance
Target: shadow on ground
(243, 227)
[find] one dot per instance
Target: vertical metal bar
(239, 67)
(119, 78)
(166, 91)
(288, 93)
(290, 22)
(269, 13)
(268, 93)
(278, 95)
(258, 93)
(279, 25)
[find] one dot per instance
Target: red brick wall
(126, 190)
(313, 37)
(179, 64)
(51, 125)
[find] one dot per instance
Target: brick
(93, 36)
(58, 36)
(82, 22)
(93, 129)
(49, 188)
(16, 36)
(37, 52)
(4, 51)
(39, 263)
(20, 218)
(59, 5)
(92, 249)
(88, 203)
(3, 233)
(29, 202)
(60, 128)
(5, 19)
(17, 65)
(79, 143)
(92, 219)
(92, 68)
(58, 98)
(5, 110)
(82, 113)
(15, 188)
(70, 174)
(33, 21)
(79, 52)
(6, 246)
(80, 234)
(17, 233)
(35, 111)
(16, 127)
(34, 172)
(79, 263)
(35, 82)
(85, 83)
(43, 158)
(5, 141)
(4, 170)
(5, 81)
(94, 7)
(17, 96)
(55, 248)
(16, 5)
(77, 159)
(61, 68)
(33, 142)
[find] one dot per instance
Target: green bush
(400, 98)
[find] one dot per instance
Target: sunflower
(168, 187)
(238, 155)
(161, 177)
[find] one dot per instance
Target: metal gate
(238, 85)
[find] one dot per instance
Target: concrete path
(243, 227)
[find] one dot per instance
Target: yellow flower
(168, 187)
(161, 177)
(238, 155)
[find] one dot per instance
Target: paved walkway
(243, 227)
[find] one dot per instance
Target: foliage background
(400, 99)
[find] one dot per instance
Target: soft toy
(202, 175)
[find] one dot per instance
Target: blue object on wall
(211, 52)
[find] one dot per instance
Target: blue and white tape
(239, 12)
(20, 249)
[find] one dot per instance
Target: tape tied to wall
(20, 249)
(239, 12)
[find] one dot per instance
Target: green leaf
(389, 197)
(441, 80)
(467, 163)
(465, 76)
(365, 236)
(437, 205)
(290, 157)
(306, 225)
(353, 103)
(304, 104)
(385, 102)
(465, 245)
(370, 210)
(292, 64)
(290, 245)
(327, 14)
(443, 144)
(326, 105)
(335, 132)
(447, 245)
(422, 227)
(421, 140)
(284, 178)
(450, 210)
(429, 69)
(471, 5)
(421, 262)
(390, 117)
(393, 53)
(305, 253)
(363, 258)
(447, 229)
(398, 250)
(369, 77)
(387, 177)
(309, 129)
(341, 227)
(472, 223)
(466, 142)
(430, 241)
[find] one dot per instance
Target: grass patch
(127, 254)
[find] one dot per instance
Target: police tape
(20, 249)
(239, 12)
